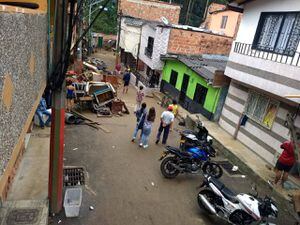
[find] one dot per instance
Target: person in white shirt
(166, 120)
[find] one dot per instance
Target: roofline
(200, 31)
(240, 2)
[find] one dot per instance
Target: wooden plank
(92, 121)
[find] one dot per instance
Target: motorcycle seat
(170, 148)
(230, 195)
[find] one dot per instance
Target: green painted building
(196, 82)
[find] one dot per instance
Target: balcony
(148, 52)
(248, 49)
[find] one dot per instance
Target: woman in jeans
(147, 127)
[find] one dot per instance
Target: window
(262, 109)
(224, 22)
(200, 94)
(278, 33)
(173, 78)
(149, 48)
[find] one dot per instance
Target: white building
(264, 65)
(154, 43)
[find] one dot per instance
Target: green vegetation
(192, 11)
(107, 21)
(191, 14)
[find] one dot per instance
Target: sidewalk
(247, 161)
(27, 201)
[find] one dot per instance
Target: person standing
(140, 119)
(126, 79)
(42, 110)
(118, 69)
(175, 108)
(284, 163)
(147, 127)
(139, 98)
(70, 96)
(166, 121)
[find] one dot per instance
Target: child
(175, 107)
(139, 98)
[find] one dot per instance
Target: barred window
(261, 109)
(278, 32)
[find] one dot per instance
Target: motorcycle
(241, 209)
(190, 138)
(175, 161)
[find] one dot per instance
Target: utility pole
(187, 17)
(119, 35)
(78, 65)
(58, 114)
(90, 30)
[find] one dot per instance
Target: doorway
(184, 86)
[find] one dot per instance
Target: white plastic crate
(72, 201)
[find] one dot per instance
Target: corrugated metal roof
(204, 65)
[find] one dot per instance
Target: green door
(100, 42)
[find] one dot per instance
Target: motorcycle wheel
(240, 217)
(167, 170)
(210, 196)
(212, 169)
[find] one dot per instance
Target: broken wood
(92, 122)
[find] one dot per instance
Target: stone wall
(150, 10)
(191, 42)
(23, 72)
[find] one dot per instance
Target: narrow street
(124, 183)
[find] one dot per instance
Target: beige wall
(231, 25)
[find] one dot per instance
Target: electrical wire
(57, 77)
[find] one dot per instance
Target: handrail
(248, 49)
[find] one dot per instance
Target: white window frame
(252, 117)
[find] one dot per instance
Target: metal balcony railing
(248, 49)
(148, 52)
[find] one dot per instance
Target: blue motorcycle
(191, 160)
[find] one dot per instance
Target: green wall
(213, 94)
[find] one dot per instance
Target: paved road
(124, 183)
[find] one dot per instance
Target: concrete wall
(183, 41)
(261, 140)
(130, 38)
(264, 70)
(23, 60)
(150, 10)
(161, 37)
(231, 25)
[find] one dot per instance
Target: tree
(107, 21)
(192, 11)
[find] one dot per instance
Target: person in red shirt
(285, 162)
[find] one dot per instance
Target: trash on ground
(91, 208)
(74, 149)
(59, 221)
(235, 168)
(152, 183)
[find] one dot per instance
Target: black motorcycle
(193, 160)
(190, 138)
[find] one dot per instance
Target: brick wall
(194, 43)
(150, 10)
